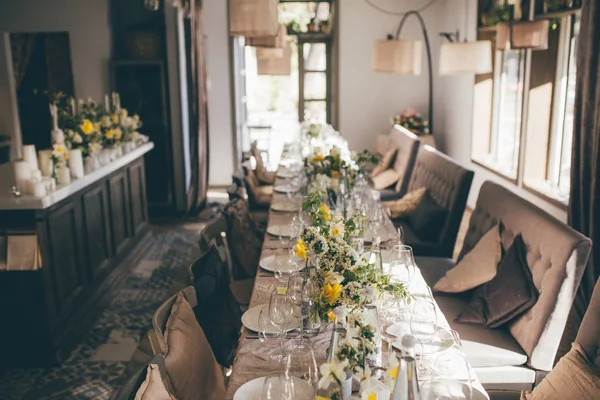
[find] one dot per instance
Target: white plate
(250, 320)
(442, 340)
(285, 174)
(252, 390)
(270, 263)
(284, 189)
(449, 390)
(284, 206)
(279, 230)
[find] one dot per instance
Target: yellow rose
(110, 134)
(335, 231)
(331, 316)
(300, 250)
(332, 292)
(324, 212)
(87, 127)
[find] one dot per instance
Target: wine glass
(266, 332)
(452, 376)
(302, 292)
(281, 313)
(301, 366)
(423, 326)
(401, 264)
(278, 387)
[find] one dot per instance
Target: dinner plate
(284, 206)
(273, 264)
(442, 340)
(449, 390)
(252, 390)
(279, 230)
(285, 174)
(250, 320)
(284, 189)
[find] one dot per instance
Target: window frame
(302, 71)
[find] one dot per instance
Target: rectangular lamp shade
(276, 41)
(523, 35)
(253, 18)
(397, 56)
(466, 58)
(274, 61)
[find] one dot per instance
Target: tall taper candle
(29, 156)
(45, 161)
(106, 103)
(76, 163)
(73, 108)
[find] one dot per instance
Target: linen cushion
(484, 347)
(575, 377)
(428, 218)
(190, 364)
(406, 205)
(153, 387)
(385, 163)
(385, 179)
(477, 267)
(217, 311)
(243, 236)
(508, 295)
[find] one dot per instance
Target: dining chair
(191, 368)
(259, 197)
(211, 232)
(129, 389)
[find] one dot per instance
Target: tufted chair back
(408, 146)
(589, 331)
(448, 183)
(556, 255)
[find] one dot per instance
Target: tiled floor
(95, 368)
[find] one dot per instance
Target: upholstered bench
(519, 354)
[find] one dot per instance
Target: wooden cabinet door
(97, 229)
(68, 274)
(137, 192)
(118, 188)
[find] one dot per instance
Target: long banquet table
(252, 357)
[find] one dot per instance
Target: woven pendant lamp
(274, 61)
(253, 18)
(466, 58)
(395, 56)
(523, 35)
(277, 41)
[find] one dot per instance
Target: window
(314, 81)
(523, 112)
(548, 159)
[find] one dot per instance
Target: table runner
(252, 357)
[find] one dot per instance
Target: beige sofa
(517, 356)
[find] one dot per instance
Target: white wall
(368, 100)
(88, 25)
(220, 110)
(455, 103)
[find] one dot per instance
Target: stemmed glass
(281, 313)
(265, 329)
(453, 377)
(301, 367)
(302, 292)
(423, 326)
(278, 387)
(402, 264)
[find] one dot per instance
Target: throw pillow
(191, 367)
(217, 311)
(477, 267)
(428, 219)
(153, 387)
(385, 163)
(508, 295)
(573, 377)
(385, 179)
(407, 204)
(243, 236)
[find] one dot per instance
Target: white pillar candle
(38, 189)
(37, 174)
(63, 175)
(30, 157)
(76, 163)
(49, 184)
(30, 185)
(22, 173)
(45, 162)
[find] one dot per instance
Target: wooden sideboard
(86, 243)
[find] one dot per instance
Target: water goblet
(281, 313)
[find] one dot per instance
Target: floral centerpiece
(413, 121)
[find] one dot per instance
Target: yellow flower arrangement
(110, 134)
(318, 157)
(332, 292)
(325, 212)
(115, 118)
(118, 133)
(300, 250)
(335, 174)
(331, 316)
(87, 127)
